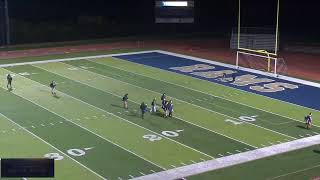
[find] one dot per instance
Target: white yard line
(90, 131)
(177, 55)
(165, 137)
(232, 160)
(209, 94)
(138, 104)
(53, 146)
(106, 77)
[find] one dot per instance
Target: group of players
(166, 105)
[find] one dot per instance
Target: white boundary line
(72, 59)
(52, 146)
(33, 102)
(188, 57)
(219, 97)
(313, 84)
(165, 137)
(292, 79)
(103, 76)
(138, 104)
(232, 160)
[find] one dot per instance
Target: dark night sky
(142, 10)
(296, 16)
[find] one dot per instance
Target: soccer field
(91, 136)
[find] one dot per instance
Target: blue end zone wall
(305, 95)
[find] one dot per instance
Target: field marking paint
(106, 77)
(294, 172)
(211, 62)
(90, 131)
(138, 104)
(177, 55)
(209, 94)
(296, 80)
(121, 117)
(52, 146)
(233, 160)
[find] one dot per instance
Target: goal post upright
(277, 28)
(269, 56)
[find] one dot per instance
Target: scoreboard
(174, 12)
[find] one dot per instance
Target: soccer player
(170, 108)
(308, 121)
(53, 88)
(165, 108)
(143, 108)
(163, 97)
(9, 82)
(125, 101)
(233, 77)
(154, 106)
(224, 76)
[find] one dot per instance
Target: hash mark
(173, 166)
(42, 125)
(183, 163)
(13, 129)
(193, 161)
(238, 151)
(52, 124)
(131, 176)
(152, 171)
(229, 153)
(33, 127)
(60, 122)
(220, 155)
(142, 173)
(247, 149)
(202, 159)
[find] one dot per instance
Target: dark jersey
(163, 97)
(125, 98)
(9, 78)
(143, 107)
(52, 85)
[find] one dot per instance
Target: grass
(92, 136)
(296, 165)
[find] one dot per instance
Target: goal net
(262, 62)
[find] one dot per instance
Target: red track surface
(306, 66)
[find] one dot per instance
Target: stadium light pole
(6, 11)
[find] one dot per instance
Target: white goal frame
(267, 57)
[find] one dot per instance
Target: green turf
(106, 125)
(297, 165)
(18, 143)
(201, 139)
(254, 100)
(268, 120)
(88, 112)
(65, 55)
(70, 137)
